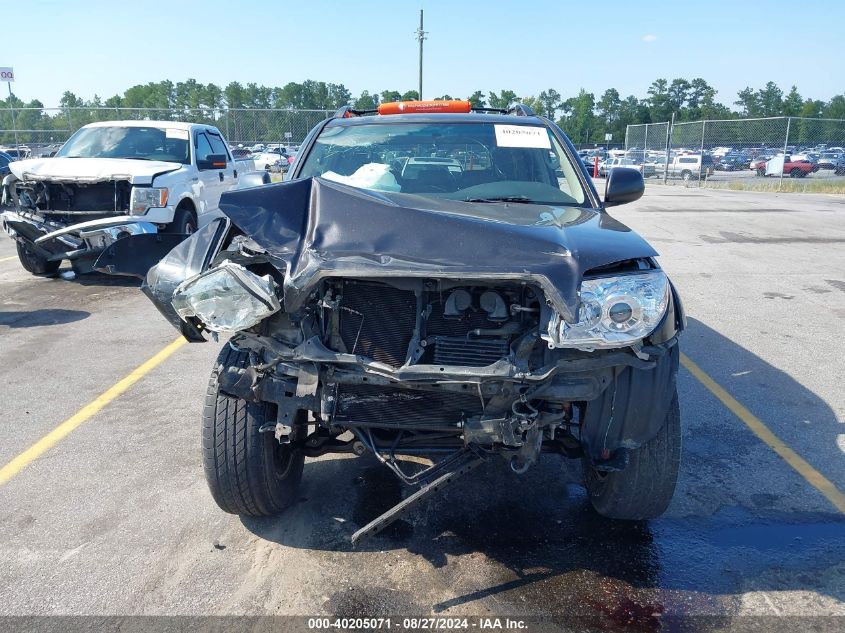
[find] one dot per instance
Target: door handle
(220, 173)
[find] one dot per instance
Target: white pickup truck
(114, 179)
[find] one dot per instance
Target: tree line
(585, 117)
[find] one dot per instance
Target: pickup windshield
(473, 162)
(139, 143)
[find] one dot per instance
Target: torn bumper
(55, 241)
(624, 395)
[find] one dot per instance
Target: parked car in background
(829, 160)
(646, 169)
(690, 167)
(758, 164)
(787, 166)
(805, 155)
(732, 162)
(20, 152)
(112, 180)
(271, 159)
(241, 152)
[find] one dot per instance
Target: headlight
(144, 198)
(228, 298)
(615, 312)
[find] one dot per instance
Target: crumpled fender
(632, 409)
(181, 259)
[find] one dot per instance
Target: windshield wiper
(500, 199)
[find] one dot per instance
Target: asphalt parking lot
(113, 516)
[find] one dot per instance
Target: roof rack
(345, 112)
(518, 109)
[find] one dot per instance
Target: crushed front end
(507, 347)
(58, 218)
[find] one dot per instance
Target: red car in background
(792, 168)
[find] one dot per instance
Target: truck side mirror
(212, 161)
(624, 184)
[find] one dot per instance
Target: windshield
(477, 162)
(139, 143)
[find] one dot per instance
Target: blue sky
(103, 47)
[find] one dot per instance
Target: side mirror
(624, 184)
(212, 161)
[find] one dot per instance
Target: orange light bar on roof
(410, 107)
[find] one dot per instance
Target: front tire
(645, 487)
(34, 263)
(248, 472)
(184, 222)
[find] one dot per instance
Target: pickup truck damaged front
(373, 313)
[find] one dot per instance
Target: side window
(202, 146)
(217, 144)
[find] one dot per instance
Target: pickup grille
(110, 197)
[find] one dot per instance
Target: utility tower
(421, 36)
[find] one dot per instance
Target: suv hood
(319, 228)
(85, 170)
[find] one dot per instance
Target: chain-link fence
(650, 137)
(780, 153)
(36, 129)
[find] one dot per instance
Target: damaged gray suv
(439, 282)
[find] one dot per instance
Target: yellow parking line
(6, 259)
(60, 432)
(813, 477)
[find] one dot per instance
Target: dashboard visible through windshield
(476, 162)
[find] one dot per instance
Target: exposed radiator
(377, 404)
(437, 324)
(377, 321)
(454, 350)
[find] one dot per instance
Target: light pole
(421, 35)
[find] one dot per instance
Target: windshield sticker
(172, 132)
(522, 136)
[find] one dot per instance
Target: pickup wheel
(184, 222)
(34, 263)
(645, 487)
(796, 173)
(248, 472)
(761, 171)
